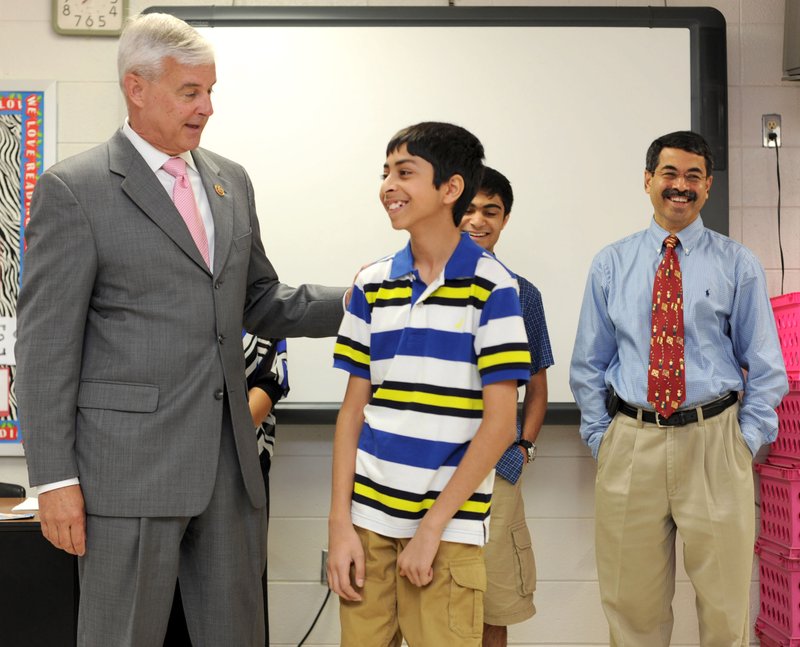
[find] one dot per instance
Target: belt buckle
(659, 418)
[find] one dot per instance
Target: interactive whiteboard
(565, 101)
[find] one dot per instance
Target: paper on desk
(4, 516)
(31, 503)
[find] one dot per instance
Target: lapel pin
(220, 191)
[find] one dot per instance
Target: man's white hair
(150, 38)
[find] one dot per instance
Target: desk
(38, 586)
(39, 590)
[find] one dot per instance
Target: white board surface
(566, 113)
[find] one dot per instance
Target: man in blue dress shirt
(691, 471)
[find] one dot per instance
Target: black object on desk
(39, 591)
(11, 490)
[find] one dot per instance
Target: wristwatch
(529, 447)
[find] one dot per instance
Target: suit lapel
(141, 185)
(221, 199)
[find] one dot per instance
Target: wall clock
(89, 17)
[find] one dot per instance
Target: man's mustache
(674, 193)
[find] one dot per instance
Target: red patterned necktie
(183, 197)
(666, 380)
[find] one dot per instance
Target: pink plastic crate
(769, 637)
(779, 585)
(785, 451)
(786, 308)
(780, 508)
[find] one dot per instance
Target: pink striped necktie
(183, 197)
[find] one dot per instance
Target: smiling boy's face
(407, 191)
(485, 219)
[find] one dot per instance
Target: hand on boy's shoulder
(349, 293)
(360, 272)
(360, 269)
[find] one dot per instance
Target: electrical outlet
(771, 125)
(323, 573)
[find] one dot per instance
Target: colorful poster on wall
(27, 145)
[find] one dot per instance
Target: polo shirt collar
(402, 263)
(461, 263)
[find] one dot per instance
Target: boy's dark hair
(495, 183)
(451, 150)
(684, 140)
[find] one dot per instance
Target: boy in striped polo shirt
(435, 346)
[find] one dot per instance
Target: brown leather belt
(682, 417)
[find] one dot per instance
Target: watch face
(88, 17)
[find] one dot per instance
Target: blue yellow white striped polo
(428, 351)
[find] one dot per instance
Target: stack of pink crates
(778, 544)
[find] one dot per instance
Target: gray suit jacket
(128, 346)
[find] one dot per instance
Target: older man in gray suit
(133, 402)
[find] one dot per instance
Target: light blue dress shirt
(728, 322)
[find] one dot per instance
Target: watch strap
(530, 449)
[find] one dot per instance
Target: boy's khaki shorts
(510, 564)
(447, 612)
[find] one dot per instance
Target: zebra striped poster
(22, 160)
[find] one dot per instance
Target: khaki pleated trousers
(652, 481)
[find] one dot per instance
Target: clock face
(89, 17)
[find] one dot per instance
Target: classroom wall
(558, 487)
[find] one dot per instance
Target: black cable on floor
(313, 624)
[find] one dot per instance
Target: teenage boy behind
(435, 346)
(510, 565)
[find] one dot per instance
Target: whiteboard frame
(709, 86)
